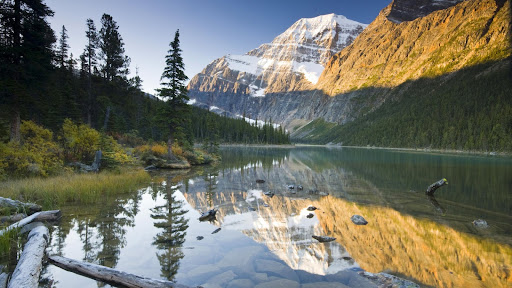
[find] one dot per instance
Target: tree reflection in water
(172, 221)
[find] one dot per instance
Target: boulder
(358, 220)
(480, 223)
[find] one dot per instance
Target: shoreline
(287, 146)
(419, 150)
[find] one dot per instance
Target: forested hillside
(447, 112)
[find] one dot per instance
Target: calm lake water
(266, 242)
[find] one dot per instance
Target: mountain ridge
(293, 61)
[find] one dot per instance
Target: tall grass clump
(7, 241)
(74, 188)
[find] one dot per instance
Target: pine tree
(62, 52)
(91, 57)
(112, 50)
(176, 111)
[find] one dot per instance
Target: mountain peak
(318, 30)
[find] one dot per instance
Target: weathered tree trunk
(170, 142)
(3, 280)
(434, 186)
(30, 264)
(107, 116)
(15, 117)
(39, 216)
(30, 208)
(109, 275)
(95, 166)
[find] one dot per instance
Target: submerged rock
(216, 230)
(323, 238)
(199, 237)
(209, 215)
(480, 223)
(311, 208)
(358, 220)
(388, 280)
(269, 194)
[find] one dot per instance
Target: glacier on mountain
(293, 60)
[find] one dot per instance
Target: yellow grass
(73, 188)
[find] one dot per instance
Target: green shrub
(80, 142)
(36, 155)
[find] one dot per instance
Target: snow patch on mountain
(317, 28)
(257, 66)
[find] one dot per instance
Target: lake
(267, 241)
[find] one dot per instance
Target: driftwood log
(109, 275)
(3, 280)
(434, 186)
(30, 264)
(30, 208)
(39, 216)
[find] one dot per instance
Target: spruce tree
(112, 50)
(91, 57)
(176, 112)
(62, 52)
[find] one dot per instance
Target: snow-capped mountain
(293, 61)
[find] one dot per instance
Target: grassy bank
(73, 188)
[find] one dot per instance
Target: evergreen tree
(91, 57)
(112, 50)
(176, 111)
(25, 56)
(62, 51)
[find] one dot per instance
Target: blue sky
(209, 29)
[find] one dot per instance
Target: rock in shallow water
(323, 238)
(480, 223)
(358, 220)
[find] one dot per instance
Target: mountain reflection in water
(429, 240)
(154, 231)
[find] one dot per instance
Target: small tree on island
(176, 111)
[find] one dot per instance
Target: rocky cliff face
(387, 54)
(407, 10)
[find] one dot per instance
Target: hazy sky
(209, 29)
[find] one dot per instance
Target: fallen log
(109, 275)
(39, 216)
(3, 280)
(30, 208)
(434, 186)
(30, 264)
